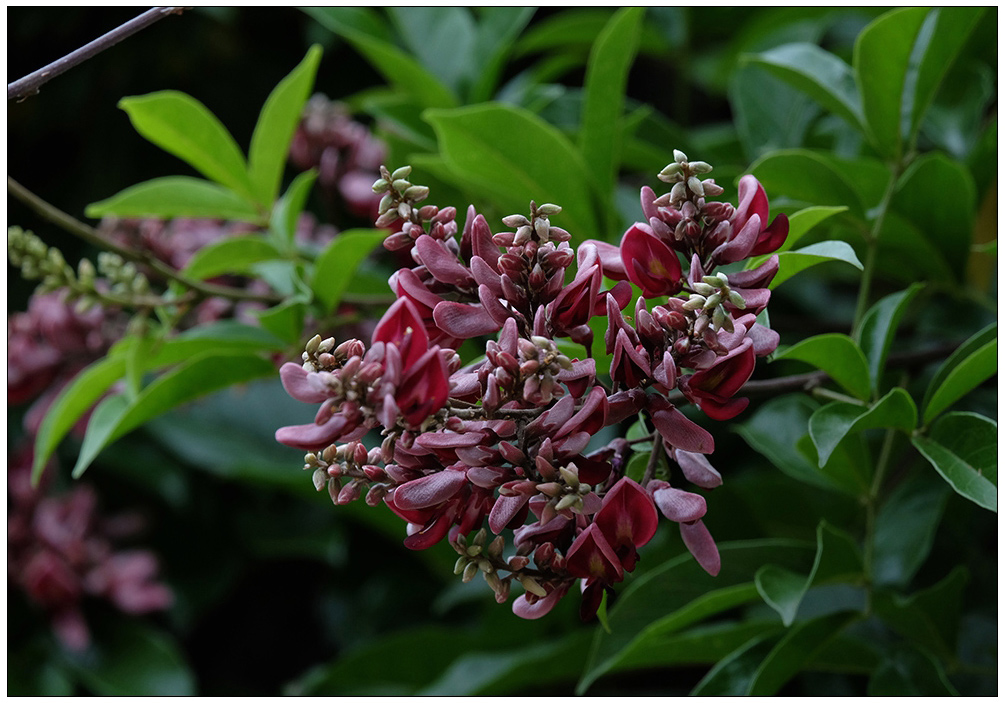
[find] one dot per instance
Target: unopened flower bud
(459, 565)
(549, 209)
(703, 288)
(737, 300)
(403, 172)
(695, 302)
(469, 571)
(679, 156)
(712, 301)
(320, 478)
(695, 185)
(568, 500)
(380, 186)
(417, 193)
(531, 585)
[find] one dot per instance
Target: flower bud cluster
(501, 446)
(61, 551)
(345, 153)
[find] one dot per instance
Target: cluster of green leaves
(161, 370)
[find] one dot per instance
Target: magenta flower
(649, 263)
(712, 389)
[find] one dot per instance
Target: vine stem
(872, 244)
(30, 84)
(92, 236)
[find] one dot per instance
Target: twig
(92, 236)
(29, 85)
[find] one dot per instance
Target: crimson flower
(649, 263)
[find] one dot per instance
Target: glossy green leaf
(910, 672)
(498, 28)
(183, 126)
(234, 255)
(949, 227)
(678, 585)
(837, 558)
(807, 176)
(949, 29)
(196, 377)
(498, 673)
(398, 68)
(965, 375)
(512, 157)
(576, 27)
(286, 213)
(795, 650)
(907, 255)
(420, 654)
(838, 355)
(335, 265)
(769, 114)
(133, 659)
(775, 431)
(76, 398)
(733, 674)
(602, 119)
(833, 422)
(805, 220)
(931, 617)
(285, 320)
(878, 328)
(278, 120)
(963, 449)
(819, 73)
(882, 61)
(792, 262)
(222, 336)
(427, 29)
(177, 196)
(963, 352)
(905, 529)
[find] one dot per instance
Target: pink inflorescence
(502, 445)
(60, 550)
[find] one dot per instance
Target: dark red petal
(463, 321)
(700, 543)
(294, 379)
(429, 491)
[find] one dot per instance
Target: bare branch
(29, 85)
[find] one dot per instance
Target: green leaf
(426, 30)
(499, 673)
(233, 255)
(806, 219)
(285, 320)
(930, 618)
(133, 659)
(334, 267)
(498, 27)
(951, 27)
(286, 213)
(882, 61)
(278, 120)
(775, 431)
(76, 398)
(679, 585)
(512, 157)
(878, 328)
(965, 351)
(905, 529)
(198, 376)
(910, 672)
(222, 336)
(807, 176)
(398, 68)
(703, 644)
(600, 135)
(949, 227)
(838, 355)
(795, 651)
(965, 375)
(792, 262)
(818, 73)
(578, 27)
(769, 114)
(963, 449)
(733, 674)
(177, 196)
(837, 559)
(420, 654)
(183, 126)
(834, 421)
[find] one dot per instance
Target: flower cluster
(345, 153)
(503, 445)
(61, 550)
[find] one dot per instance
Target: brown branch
(92, 236)
(29, 85)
